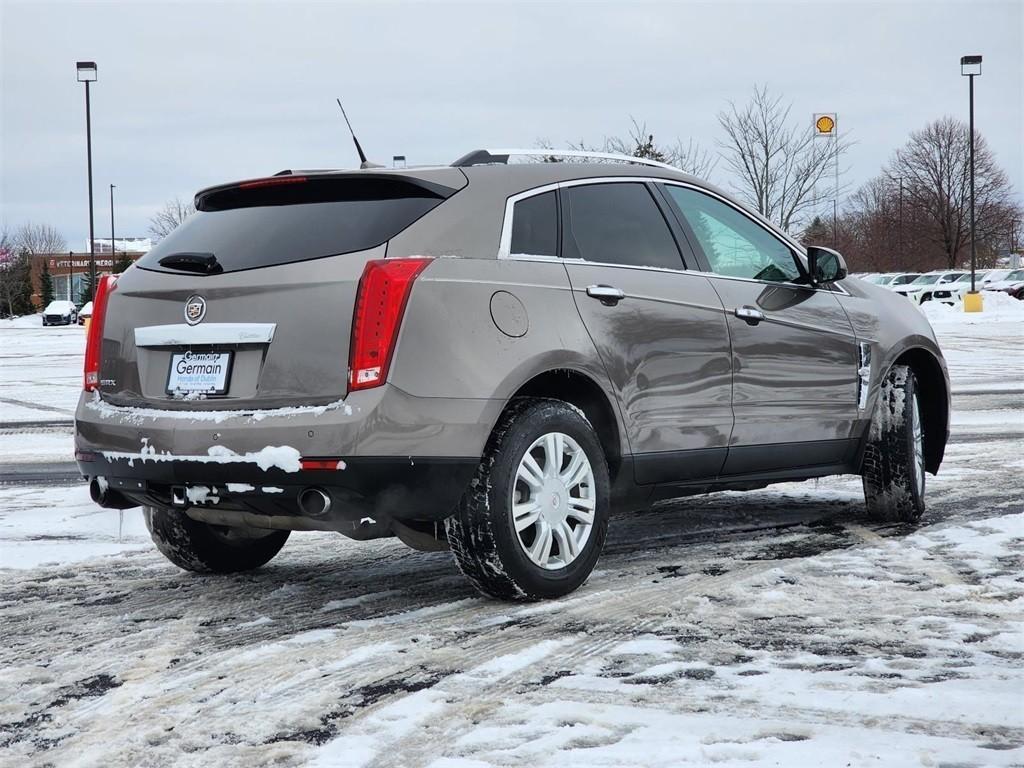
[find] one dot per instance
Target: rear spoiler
(286, 188)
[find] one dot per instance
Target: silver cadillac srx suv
(491, 357)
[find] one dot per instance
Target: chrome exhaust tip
(98, 489)
(101, 493)
(314, 502)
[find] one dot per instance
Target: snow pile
(23, 321)
(998, 307)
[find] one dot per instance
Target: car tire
(203, 548)
(894, 467)
(495, 544)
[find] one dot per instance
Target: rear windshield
(265, 226)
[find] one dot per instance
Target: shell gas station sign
(825, 124)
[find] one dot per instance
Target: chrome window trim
(206, 333)
(505, 243)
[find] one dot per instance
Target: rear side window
(265, 226)
(535, 226)
(618, 223)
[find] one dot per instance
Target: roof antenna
(363, 162)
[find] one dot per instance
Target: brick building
(68, 270)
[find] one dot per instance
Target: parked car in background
(875, 279)
(903, 278)
(1010, 281)
(992, 276)
(305, 353)
(1017, 292)
(84, 313)
(950, 293)
(892, 279)
(60, 313)
(918, 289)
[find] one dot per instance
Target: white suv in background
(923, 288)
(892, 279)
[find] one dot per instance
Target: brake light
(94, 341)
(321, 464)
(380, 303)
(273, 181)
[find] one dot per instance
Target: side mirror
(825, 265)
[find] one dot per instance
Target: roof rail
(485, 156)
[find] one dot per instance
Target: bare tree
(934, 165)
(164, 221)
(39, 238)
(690, 158)
(777, 164)
(639, 142)
(694, 159)
(915, 214)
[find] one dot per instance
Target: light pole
(970, 67)
(87, 73)
(901, 218)
(113, 251)
(899, 231)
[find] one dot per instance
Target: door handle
(749, 315)
(606, 294)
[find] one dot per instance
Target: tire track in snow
(361, 658)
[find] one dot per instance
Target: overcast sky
(191, 94)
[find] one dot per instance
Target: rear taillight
(380, 303)
(94, 341)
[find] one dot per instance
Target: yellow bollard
(86, 325)
(972, 301)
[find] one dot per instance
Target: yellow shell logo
(825, 124)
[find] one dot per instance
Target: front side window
(535, 226)
(618, 223)
(734, 245)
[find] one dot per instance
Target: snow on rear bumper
(413, 456)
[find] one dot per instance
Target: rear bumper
(409, 488)
(407, 457)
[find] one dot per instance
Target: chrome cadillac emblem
(195, 309)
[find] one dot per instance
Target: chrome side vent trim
(863, 375)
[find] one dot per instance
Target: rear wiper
(200, 263)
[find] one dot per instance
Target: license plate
(203, 372)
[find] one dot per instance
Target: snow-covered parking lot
(776, 627)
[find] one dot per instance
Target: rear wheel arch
(580, 390)
(934, 398)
